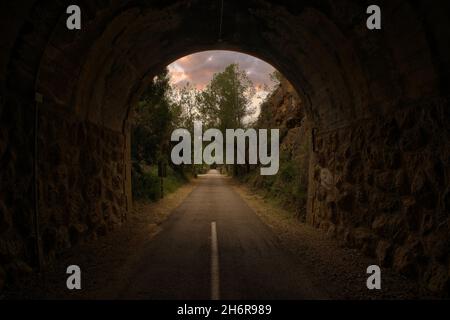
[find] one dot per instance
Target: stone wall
(81, 181)
(16, 190)
(382, 185)
(80, 190)
(285, 111)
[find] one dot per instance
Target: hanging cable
(220, 20)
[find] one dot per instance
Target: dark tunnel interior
(378, 101)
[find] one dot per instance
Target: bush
(147, 185)
(288, 188)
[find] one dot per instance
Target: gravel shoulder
(339, 270)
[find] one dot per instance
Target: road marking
(215, 287)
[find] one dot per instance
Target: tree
(153, 121)
(155, 117)
(185, 101)
(227, 99)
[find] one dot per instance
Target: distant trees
(226, 101)
(185, 102)
(223, 104)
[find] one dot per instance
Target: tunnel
(377, 101)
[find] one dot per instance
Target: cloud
(199, 68)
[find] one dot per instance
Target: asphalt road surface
(213, 246)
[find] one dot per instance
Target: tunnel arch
(322, 50)
(361, 90)
(132, 68)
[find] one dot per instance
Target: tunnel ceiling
(343, 71)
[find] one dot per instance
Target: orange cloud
(199, 68)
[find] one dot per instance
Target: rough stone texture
(285, 111)
(81, 181)
(378, 99)
(385, 182)
(81, 192)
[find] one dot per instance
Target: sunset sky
(199, 68)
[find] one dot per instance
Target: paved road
(243, 261)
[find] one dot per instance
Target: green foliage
(152, 122)
(223, 105)
(174, 180)
(185, 102)
(156, 116)
(147, 184)
(288, 188)
(227, 99)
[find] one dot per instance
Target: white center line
(215, 287)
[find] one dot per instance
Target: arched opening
(377, 102)
(210, 91)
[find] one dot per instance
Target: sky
(199, 68)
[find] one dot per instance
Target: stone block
(2, 278)
(437, 278)
(384, 253)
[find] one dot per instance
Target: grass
(287, 189)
